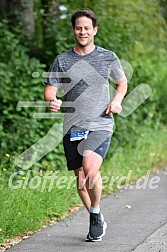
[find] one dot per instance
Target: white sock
(94, 210)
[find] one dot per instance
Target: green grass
(148, 153)
(26, 209)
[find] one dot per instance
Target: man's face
(84, 31)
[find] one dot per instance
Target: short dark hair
(84, 12)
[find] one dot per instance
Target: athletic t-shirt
(85, 81)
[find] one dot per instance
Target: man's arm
(50, 96)
(121, 89)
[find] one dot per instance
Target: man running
(88, 118)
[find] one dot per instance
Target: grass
(148, 153)
(26, 209)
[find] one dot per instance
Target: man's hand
(121, 88)
(114, 107)
(55, 105)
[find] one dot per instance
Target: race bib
(79, 135)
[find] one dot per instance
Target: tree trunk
(27, 15)
(18, 12)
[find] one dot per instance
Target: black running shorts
(97, 141)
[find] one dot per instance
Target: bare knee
(91, 174)
(91, 166)
(80, 177)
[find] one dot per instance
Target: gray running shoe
(97, 228)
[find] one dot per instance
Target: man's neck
(84, 50)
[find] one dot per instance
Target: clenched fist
(55, 105)
(114, 107)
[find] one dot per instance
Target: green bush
(19, 130)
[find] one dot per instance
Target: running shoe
(97, 227)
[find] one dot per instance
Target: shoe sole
(99, 238)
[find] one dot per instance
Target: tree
(163, 4)
(19, 14)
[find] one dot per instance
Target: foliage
(19, 130)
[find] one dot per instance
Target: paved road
(141, 228)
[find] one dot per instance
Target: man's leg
(91, 165)
(89, 183)
(74, 160)
(81, 187)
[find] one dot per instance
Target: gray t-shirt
(84, 79)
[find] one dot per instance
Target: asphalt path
(136, 218)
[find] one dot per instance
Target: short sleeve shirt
(85, 81)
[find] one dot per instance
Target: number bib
(79, 135)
